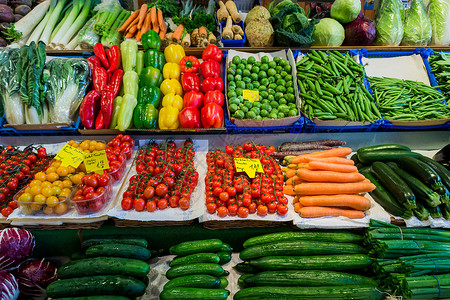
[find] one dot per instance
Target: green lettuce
(439, 13)
(389, 23)
(417, 26)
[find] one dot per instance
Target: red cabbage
(34, 277)
(360, 32)
(9, 288)
(16, 245)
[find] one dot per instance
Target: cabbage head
(345, 11)
(328, 32)
(417, 26)
(389, 23)
(439, 13)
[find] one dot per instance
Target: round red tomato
(282, 209)
(243, 212)
(151, 206)
(184, 203)
(162, 203)
(262, 210)
(173, 201)
(126, 203)
(6, 211)
(161, 190)
(139, 204)
(233, 209)
(222, 211)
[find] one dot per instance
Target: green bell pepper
(150, 77)
(154, 58)
(151, 40)
(138, 112)
(145, 115)
(149, 94)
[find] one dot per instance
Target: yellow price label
(96, 162)
(249, 166)
(70, 156)
(251, 96)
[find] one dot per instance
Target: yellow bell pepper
(174, 53)
(172, 71)
(168, 118)
(173, 100)
(171, 86)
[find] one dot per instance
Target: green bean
(309, 65)
(311, 85)
(304, 59)
(301, 87)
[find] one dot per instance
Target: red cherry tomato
(151, 206)
(139, 204)
(126, 203)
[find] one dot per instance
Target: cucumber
(198, 281)
(78, 255)
(368, 157)
(339, 262)
(182, 293)
(299, 248)
(392, 147)
(191, 247)
(443, 173)
(241, 280)
(421, 170)
(119, 250)
(223, 283)
(356, 292)
(390, 180)
(104, 266)
(245, 268)
(224, 273)
(307, 278)
(193, 269)
(355, 159)
(195, 258)
(224, 257)
(103, 297)
(127, 240)
(117, 285)
(226, 248)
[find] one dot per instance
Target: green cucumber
(307, 278)
(443, 173)
(369, 157)
(391, 147)
(242, 278)
(195, 258)
(224, 273)
(299, 248)
(224, 257)
(193, 269)
(104, 266)
(103, 297)
(226, 248)
(198, 281)
(245, 268)
(78, 255)
(390, 180)
(119, 250)
(96, 285)
(182, 293)
(191, 247)
(421, 170)
(127, 240)
(223, 283)
(355, 159)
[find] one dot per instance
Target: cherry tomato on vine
(127, 203)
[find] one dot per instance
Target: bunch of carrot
(326, 183)
(143, 20)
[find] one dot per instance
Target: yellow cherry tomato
(62, 171)
(52, 177)
(46, 184)
(40, 176)
(67, 183)
(100, 146)
(35, 190)
(48, 210)
(35, 182)
(25, 197)
(56, 190)
(52, 201)
(61, 208)
(50, 170)
(36, 206)
(40, 198)
(47, 191)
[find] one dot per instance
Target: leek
(77, 4)
(37, 32)
(114, 36)
(79, 22)
(62, 18)
(45, 37)
(426, 287)
(73, 43)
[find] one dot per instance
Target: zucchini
(445, 209)
(421, 170)
(182, 293)
(421, 212)
(193, 269)
(444, 194)
(340, 262)
(368, 157)
(191, 247)
(245, 268)
(103, 297)
(443, 173)
(127, 240)
(104, 266)
(226, 248)
(117, 285)
(390, 180)
(307, 278)
(196, 258)
(225, 257)
(199, 281)
(383, 197)
(119, 250)
(325, 236)
(356, 292)
(299, 248)
(223, 283)
(435, 212)
(392, 147)
(420, 190)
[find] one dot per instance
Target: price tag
(251, 96)
(96, 162)
(70, 156)
(249, 166)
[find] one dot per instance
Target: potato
(17, 17)
(6, 13)
(22, 10)
(25, 2)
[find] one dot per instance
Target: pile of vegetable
(326, 183)
(108, 267)
(408, 100)
(12, 11)
(331, 86)
(258, 29)
(440, 66)
(292, 265)
(406, 182)
(228, 13)
(197, 270)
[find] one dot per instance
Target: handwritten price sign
(70, 156)
(251, 96)
(249, 166)
(96, 162)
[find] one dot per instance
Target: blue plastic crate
(294, 128)
(233, 43)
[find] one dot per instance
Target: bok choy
(9, 87)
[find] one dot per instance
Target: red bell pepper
(214, 97)
(99, 51)
(87, 109)
(190, 82)
(99, 79)
(212, 52)
(189, 64)
(116, 81)
(189, 117)
(113, 55)
(210, 68)
(99, 121)
(212, 116)
(212, 84)
(193, 99)
(93, 62)
(107, 105)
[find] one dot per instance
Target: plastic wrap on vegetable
(417, 26)
(66, 87)
(9, 87)
(439, 13)
(87, 37)
(389, 23)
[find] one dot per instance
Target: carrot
(289, 173)
(303, 165)
(333, 160)
(288, 190)
(162, 25)
(176, 36)
(329, 176)
(138, 35)
(130, 19)
(142, 14)
(352, 201)
(146, 26)
(318, 165)
(132, 30)
(154, 19)
(294, 180)
(202, 32)
(296, 199)
(322, 188)
(318, 211)
(335, 152)
(132, 24)
(130, 34)
(297, 207)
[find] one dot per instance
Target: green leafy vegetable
(199, 19)
(276, 6)
(9, 86)
(417, 26)
(389, 23)
(439, 13)
(169, 8)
